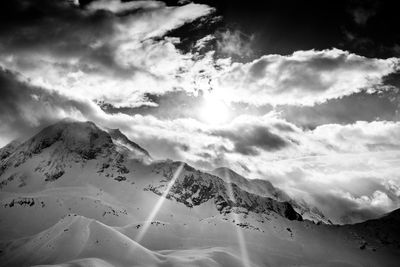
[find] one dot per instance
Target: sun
(214, 110)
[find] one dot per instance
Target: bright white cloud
(303, 78)
(361, 136)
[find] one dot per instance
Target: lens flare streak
(158, 205)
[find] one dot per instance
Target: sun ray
(241, 240)
(158, 205)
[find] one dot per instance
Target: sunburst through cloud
(199, 133)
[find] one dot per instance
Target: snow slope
(76, 240)
(78, 195)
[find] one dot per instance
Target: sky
(302, 93)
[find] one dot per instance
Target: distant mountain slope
(377, 233)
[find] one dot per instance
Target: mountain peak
(67, 142)
(84, 138)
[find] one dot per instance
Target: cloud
(356, 209)
(249, 138)
(361, 136)
(234, 43)
(362, 11)
(109, 50)
(118, 52)
(201, 43)
(362, 15)
(25, 108)
(117, 6)
(303, 78)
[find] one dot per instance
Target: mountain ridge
(266, 188)
(76, 142)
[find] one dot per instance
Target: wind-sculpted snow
(79, 241)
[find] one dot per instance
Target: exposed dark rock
(120, 178)
(50, 177)
(22, 201)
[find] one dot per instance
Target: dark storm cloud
(249, 139)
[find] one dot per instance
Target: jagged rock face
(265, 188)
(194, 187)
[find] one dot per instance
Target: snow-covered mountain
(76, 194)
(265, 188)
(66, 144)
